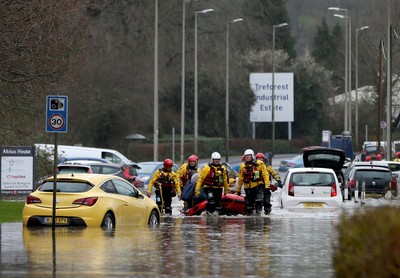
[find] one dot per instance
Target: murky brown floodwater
(280, 245)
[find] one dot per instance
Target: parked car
(294, 162)
(73, 168)
(91, 200)
(317, 184)
(126, 171)
(310, 188)
(395, 168)
(377, 176)
(148, 168)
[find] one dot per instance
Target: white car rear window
(312, 179)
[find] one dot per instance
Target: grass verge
(11, 211)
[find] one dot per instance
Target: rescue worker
(397, 159)
(267, 191)
(271, 171)
(379, 157)
(185, 173)
(166, 185)
(214, 181)
(254, 176)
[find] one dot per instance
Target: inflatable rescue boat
(231, 205)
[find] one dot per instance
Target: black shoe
(267, 211)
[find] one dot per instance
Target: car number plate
(59, 220)
(313, 205)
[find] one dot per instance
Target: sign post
(56, 121)
(56, 114)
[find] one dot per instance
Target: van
(76, 151)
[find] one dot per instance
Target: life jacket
(190, 171)
(215, 176)
(165, 180)
(251, 173)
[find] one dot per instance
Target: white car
(310, 188)
(318, 184)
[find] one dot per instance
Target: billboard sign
(261, 84)
(16, 168)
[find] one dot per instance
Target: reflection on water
(205, 246)
(287, 243)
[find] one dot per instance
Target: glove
(272, 187)
(280, 184)
(149, 194)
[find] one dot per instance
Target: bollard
(356, 193)
(346, 190)
(363, 193)
(389, 194)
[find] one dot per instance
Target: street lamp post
(356, 120)
(388, 88)
(349, 69)
(183, 79)
(196, 112)
(273, 84)
(346, 106)
(227, 88)
(155, 135)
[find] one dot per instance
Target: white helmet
(249, 152)
(215, 155)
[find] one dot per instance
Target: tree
(40, 47)
(265, 14)
(313, 89)
(327, 50)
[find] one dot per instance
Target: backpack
(188, 191)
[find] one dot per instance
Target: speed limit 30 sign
(56, 113)
(56, 121)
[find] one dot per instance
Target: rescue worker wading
(166, 185)
(254, 176)
(187, 170)
(267, 191)
(397, 159)
(213, 179)
(185, 173)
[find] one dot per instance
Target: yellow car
(92, 200)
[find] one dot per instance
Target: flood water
(284, 244)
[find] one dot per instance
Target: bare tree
(40, 42)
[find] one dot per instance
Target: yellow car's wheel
(154, 219)
(108, 222)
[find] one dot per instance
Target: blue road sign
(57, 114)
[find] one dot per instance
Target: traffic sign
(56, 114)
(383, 125)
